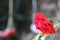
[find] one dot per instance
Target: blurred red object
(7, 32)
(3, 34)
(43, 24)
(10, 32)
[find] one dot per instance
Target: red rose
(43, 24)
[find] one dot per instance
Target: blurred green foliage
(21, 10)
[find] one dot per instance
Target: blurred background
(22, 16)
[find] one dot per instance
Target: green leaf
(57, 26)
(50, 18)
(46, 35)
(36, 37)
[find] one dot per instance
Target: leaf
(50, 18)
(46, 35)
(57, 26)
(36, 37)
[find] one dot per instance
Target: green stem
(54, 19)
